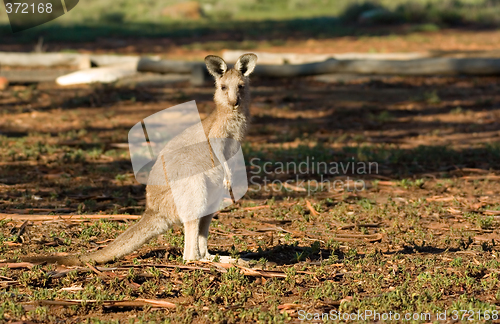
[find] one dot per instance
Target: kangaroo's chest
(233, 127)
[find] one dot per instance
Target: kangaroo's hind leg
(191, 234)
(202, 242)
(203, 237)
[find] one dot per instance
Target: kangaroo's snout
(234, 95)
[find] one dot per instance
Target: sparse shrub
(112, 17)
(432, 97)
(354, 11)
(412, 12)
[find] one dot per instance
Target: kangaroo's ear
(216, 66)
(246, 63)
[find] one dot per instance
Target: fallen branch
(271, 221)
(351, 226)
(91, 267)
(139, 302)
(487, 177)
(8, 283)
(256, 207)
(8, 243)
(19, 265)
(101, 271)
(173, 266)
(72, 288)
(73, 218)
(311, 208)
(369, 237)
(291, 306)
(471, 170)
(294, 188)
(387, 183)
(221, 267)
(298, 234)
(251, 272)
(491, 212)
(440, 198)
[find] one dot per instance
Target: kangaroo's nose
(237, 102)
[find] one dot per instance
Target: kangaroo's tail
(135, 236)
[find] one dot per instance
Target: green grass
(251, 19)
(420, 271)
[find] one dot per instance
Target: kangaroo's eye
(223, 87)
(241, 86)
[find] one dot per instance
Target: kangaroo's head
(232, 91)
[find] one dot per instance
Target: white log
(105, 74)
(75, 60)
(425, 66)
(231, 56)
(106, 60)
(30, 76)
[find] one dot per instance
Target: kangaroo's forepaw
(227, 183)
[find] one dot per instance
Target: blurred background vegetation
(256, 18)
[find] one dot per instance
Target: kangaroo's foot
(227, 259)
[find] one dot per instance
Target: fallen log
(71, 217)
(231, 56)
(33, 76)
(465, 53)
(425, 66)
(198, 71)
(199, 74)
(166, 66)
(153, 80)
(106, 74)
(106, 60)
(74, 60)
(47, 67)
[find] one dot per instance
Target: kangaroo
(204, 164)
